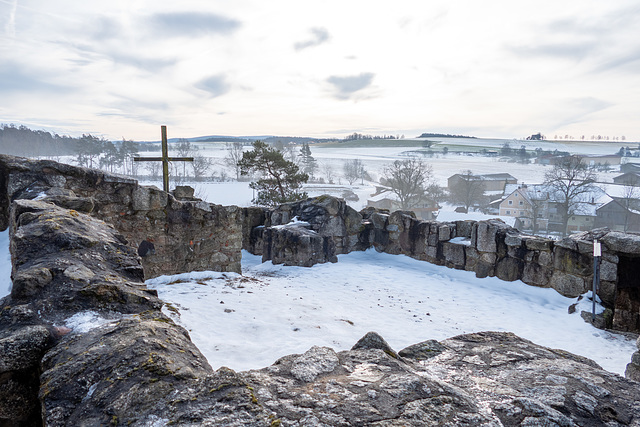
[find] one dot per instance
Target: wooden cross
(165, 159)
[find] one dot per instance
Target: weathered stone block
(431, 253)
(444, 233)
(296, 245)
(622, 242)
(509, 269)
(454, 255)
(608, 271)
(432, 237)
(488, 257)
(632, 371)
(463, 228)
(537, 275)
(545, 258)
(379, 220)
(146, 198)
(23, 349)
(486, 237)
(567, 284)
(607, 292)
(471, 258)
(538, 244)
(511, 239)
(571, 261)
(484, 269)
(183, 192)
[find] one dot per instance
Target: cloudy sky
(494, 68)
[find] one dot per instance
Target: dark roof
(498, 176)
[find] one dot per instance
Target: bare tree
(201, 166)
(185, 148)
(570, 181)
(233, 157)
(409, 179)
(154, 169)
(327, 170)
(468, 191)
(353, 169)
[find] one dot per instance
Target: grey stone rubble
(137, 368)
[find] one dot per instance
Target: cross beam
(165, 159)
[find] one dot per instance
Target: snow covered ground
(248, 321)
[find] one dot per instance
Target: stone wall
(488, 248)
(172, 236)
(127, 364)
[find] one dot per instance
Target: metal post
(597, 253)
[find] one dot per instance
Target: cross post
(165, 159)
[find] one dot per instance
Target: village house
(529, 204)
(589, 160)
(628, 178)
(617, 217)
(491, 181)
(601, 159)
(384, 198)
(630, 167)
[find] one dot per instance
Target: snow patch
(461, 241)
(194, 276)
(5, 264)
(85, 321)
(294, 222)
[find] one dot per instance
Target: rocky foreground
(138, 368)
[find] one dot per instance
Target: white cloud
(346, 86)
(318, 36)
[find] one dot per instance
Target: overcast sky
(493, 68)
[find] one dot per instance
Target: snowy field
(331, 159)
(248, 321)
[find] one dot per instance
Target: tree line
(22, 141)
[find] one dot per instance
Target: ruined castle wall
(172, 236)
(492, 248)
(488, 248)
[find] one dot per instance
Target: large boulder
(326, 215)
(296, 244)
(485, 378)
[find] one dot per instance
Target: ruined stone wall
(171, 235)
(488, 248)
(491, 248)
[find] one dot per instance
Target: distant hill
(444, 135)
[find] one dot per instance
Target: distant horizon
(342, 137)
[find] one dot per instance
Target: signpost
(165, 159)
(597, 253)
